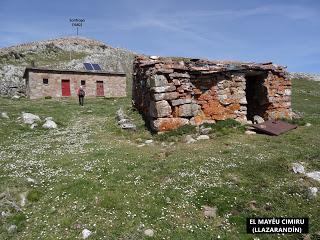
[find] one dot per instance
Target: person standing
(81, 94)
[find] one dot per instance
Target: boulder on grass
(4, 115)
(257, 119)
(49, 124)
(29, 118)
(297, 168)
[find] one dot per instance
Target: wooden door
(100, 90)
(65, 88)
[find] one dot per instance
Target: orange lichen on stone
(166, 124)
(213, 108)
(234, 107)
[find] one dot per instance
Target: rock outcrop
(301, 75)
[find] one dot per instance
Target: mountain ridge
(60, 53)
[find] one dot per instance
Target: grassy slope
(92, 175)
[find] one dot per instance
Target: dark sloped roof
(45, 70)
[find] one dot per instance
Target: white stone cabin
(41, 83)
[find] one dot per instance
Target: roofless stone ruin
(171, 92)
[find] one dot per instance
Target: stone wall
(171, 93)
(114, 86)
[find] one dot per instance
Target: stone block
(180, 101)
(287, 92)
(167, 124)
(165, 96)
(176, 82)
(159, 109)
(164, 70)
(189, 110)
(179, 75)
(158, 81)
(243, 100)
(169, 88)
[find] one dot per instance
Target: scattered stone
(296, 115)
(250, 128)
(128, 126)
(312, 192)
(257, 119)
(249, 132)
(31, 180)
(189, 139)
(5, 214)
(268, 207)
(141, 145)
(29, 118)
(4, 115)
(314, 175)
(49, 124)
(86, 233)
(306, 237)
(308, 124)
(23, 199)
(15, 97)
(209, 212)
(205, 131)
(124, 122)
(120, 114)
(203, 137)
(12, 229)
(149, 232)
(148, 141)
(253, 205)
(298, 168)
(48, 118)
(33, 125)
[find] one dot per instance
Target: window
(83, 82)
(45, 81)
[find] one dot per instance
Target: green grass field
(90, 174)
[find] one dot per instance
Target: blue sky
(285, 32)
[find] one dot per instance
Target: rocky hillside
(62, 53)
(313, 77)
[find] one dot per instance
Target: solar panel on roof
(88, 66)
(96, 66)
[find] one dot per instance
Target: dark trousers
(81, 98)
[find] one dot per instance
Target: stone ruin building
(173, 92)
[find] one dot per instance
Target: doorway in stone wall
(100, 89)
(256, 94)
